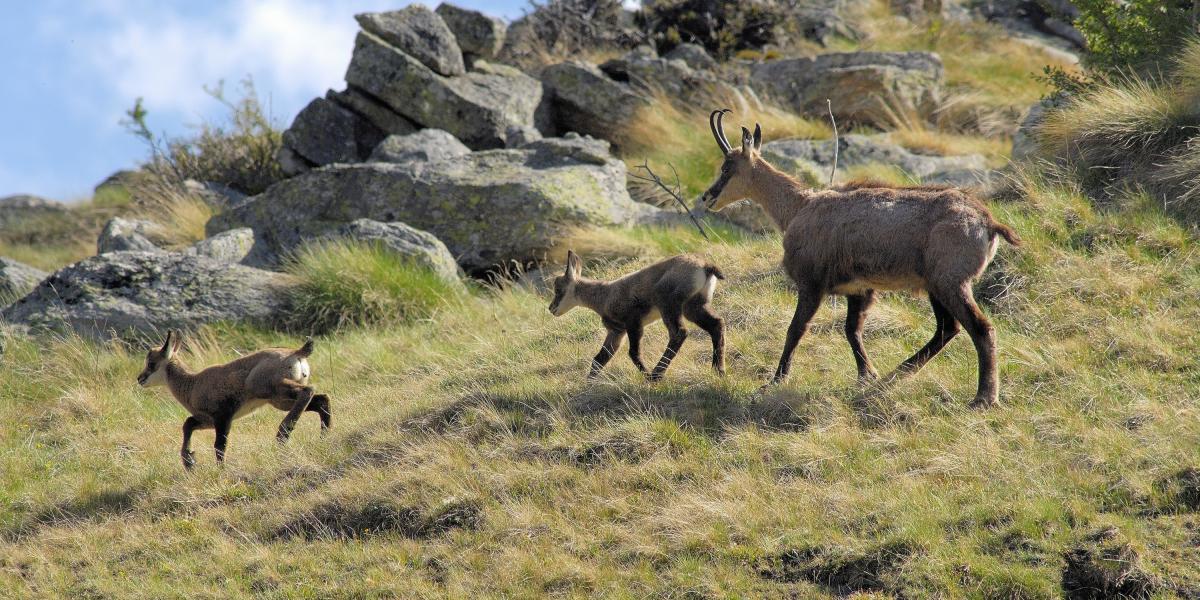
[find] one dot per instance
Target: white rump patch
(710, 287)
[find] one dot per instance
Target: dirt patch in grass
(875, 569)
(1103, 566)
(381, 516)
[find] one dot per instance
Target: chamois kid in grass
(671, 290)
(219, 394)
(866, 237)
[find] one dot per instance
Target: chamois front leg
(611, 343)
(806, 306)
(673, 319)
(302, 396)
(189, 425)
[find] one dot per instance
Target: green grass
(346, 284)
(470, 458)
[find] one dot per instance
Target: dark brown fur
(863, 236)
(674, 289)
(217, 395)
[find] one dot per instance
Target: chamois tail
(1006, 232)
(306, 350)
(714, 271)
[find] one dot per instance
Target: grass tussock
(345, 284)
(1135, 134)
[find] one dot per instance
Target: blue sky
(72, 67)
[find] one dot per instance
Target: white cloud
(293, 48)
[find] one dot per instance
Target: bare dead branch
(672, 191)
(836, 142)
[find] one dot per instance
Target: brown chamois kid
(864, 238)
(219, 394)
(673, 289)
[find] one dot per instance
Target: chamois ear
(757, 136)
(747, 140)
(178, 343)
(167, 342)
(574, 264)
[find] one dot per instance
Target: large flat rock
(490, 208)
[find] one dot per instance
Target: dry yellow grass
(470, 459)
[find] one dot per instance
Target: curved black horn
(714, 122)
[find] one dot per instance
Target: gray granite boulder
(368, 107)
(477, 108)
(233, 246)
(135, 294)
(585, 100)
(489, 208)
(326, 133)
(23, 207)
(864, 87)
(1024, 141)
(694, 55)
(856, 150)
(120, 234)
(17, 279)
(419, 33)
(423, 146)
(479, 36)
(421, 247)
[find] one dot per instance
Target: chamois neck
(780, 194)
(179, 380)
(591, 293)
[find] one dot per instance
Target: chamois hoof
(981, 402)
(189, 459)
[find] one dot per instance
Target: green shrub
(240, 154)
(1133, 34)
(346, 284)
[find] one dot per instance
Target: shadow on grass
(87, 508)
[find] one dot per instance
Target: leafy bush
(723, 27)
(350, 284)
(239, 154)
(1133, 34)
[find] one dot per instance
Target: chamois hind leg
(222, 425)
(856, 316)
(960, 302)
(635, 346)
(672, 317)
(611, 343)
(189, 425)
(301, 395)
(698, 311)
(807, 303)
(320, 405)
(946, 329)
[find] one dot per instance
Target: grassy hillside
(470, 458)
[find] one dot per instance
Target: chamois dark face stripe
(714, 191)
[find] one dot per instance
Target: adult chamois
(862, 238)
(219, 394)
